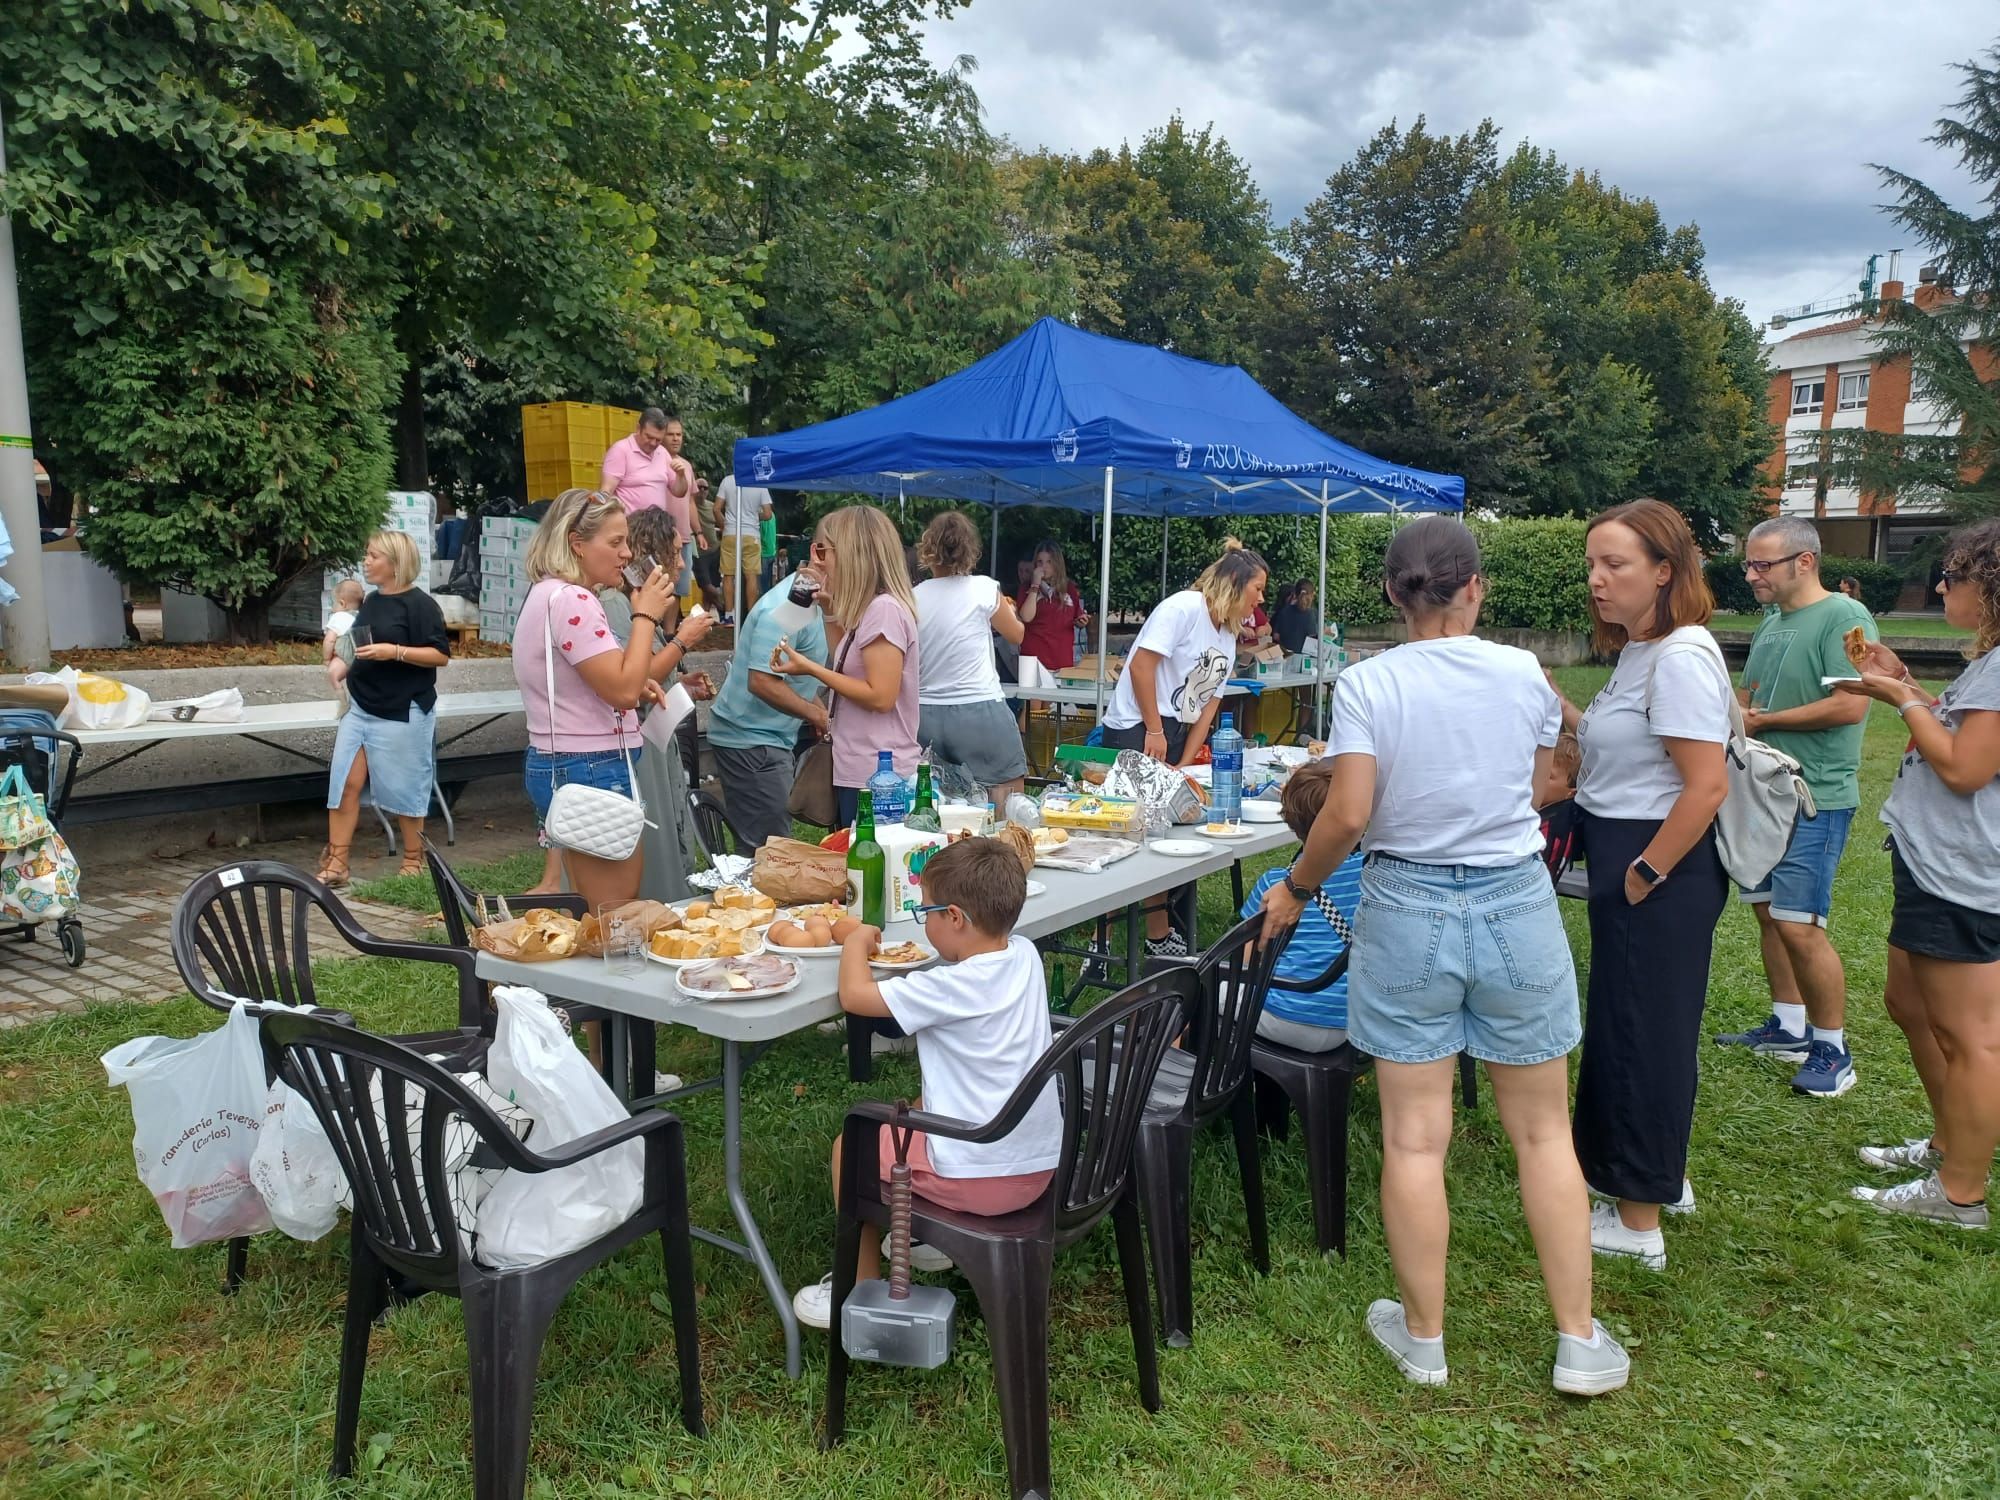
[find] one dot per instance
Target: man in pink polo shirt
(643, 473)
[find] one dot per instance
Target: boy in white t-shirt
(334, 647)
(981, 1020)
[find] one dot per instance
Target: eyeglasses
(922, 914)
(1758, 569)
(1950, 578)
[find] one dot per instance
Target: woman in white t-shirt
(1437, 748)
(1651, 781)
(962, 715)
(1167, 696)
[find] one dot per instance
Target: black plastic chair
(713, 829)
(1009, 1258)
(1320, 1085)
(403, 1228)
(242, 932)
(1206, 1077)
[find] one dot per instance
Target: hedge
(1881, 583)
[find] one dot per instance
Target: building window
(1853, 391)
(1808, 396)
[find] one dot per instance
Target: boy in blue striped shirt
(1309, 1022)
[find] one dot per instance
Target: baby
(336, 647)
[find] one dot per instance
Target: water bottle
(1225, 754)
(892, 796)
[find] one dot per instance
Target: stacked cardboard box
(503, 574)
(305, 606)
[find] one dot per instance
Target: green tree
(1401, 323)
(1951, 346)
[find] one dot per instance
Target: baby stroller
(48, 757)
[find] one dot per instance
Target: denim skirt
(1461, 958)
(402, 759)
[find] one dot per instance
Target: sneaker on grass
(1681, 1205)
(1420, 1360)
(1911, 1156)
(1828, 1072)
(1768, 1040)
(1173, 945)
(927, 1257)
(1924, 1199)
(813, 1305)
(1592, 1366)
(1609, 1235)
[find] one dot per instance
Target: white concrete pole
(25, 623)
(1104, 597)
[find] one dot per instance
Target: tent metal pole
(1104, 598)
(1319, 648)
(1166, 527)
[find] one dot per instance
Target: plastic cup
(624, 944)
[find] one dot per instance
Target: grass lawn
(1797, 1341)
(1893, 627)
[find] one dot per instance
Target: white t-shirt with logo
(1453, 725)
(742, 509)
(955, 640)
(981, 1026)
(1195, 654)
(1675, 688)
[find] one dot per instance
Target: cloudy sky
(1754, 121)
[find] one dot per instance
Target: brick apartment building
(1832, 377)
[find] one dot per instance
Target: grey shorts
(982, 737)
(756, 786)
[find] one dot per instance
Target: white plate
(1257, 810)
(930, 956)
(750, 950)
(1036, 888)
(1180, 848)
(1224, 831)
(758, 994)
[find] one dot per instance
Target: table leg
(739, 1202)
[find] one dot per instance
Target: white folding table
(651, 997)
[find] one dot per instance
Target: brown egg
(819, 932)
(786, 935)
(843, 927)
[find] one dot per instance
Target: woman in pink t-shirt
(586, 734)
(871, 628)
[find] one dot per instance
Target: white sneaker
(666, 1083)
(1610, 1236)
(1420, 1360)
(1911, 1156)
(1591, 1368)
(813, 1305)
(1682, 1205)
(928, 1258)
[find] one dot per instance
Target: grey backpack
(1766, 795)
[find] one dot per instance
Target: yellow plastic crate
(548, 478)
(571, 433)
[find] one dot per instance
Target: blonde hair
(949, 545)
(867, 563)
(1224, 582)
(580, 513)
(402, 555)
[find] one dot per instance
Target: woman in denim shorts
(1438, 746)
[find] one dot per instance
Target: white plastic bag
(223, 706)
(64, 678)
(295, 1169)
(197, 1108)
(105, 703)
(529, 1217)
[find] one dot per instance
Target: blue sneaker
(1828, 1073)
(1768, 1040)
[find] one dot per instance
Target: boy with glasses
(1786, 703)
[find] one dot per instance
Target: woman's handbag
(590, 819)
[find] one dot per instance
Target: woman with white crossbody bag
(580, 690)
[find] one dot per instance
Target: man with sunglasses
(1787, 704)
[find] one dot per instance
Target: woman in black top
(386, 737)
(1295, 618)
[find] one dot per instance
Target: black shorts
(1135, 738)
(1932, 927)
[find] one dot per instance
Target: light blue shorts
(1801, 888)
(1461, 958)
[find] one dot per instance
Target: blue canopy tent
(1063, 417)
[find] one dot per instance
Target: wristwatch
(1646, 872)
(1299, 892)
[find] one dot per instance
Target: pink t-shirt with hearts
(582, 720)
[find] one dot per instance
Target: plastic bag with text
(295, 1169)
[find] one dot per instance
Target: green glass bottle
(867, 866)
(923, 814)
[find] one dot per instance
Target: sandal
(333, 866)
(413, 862)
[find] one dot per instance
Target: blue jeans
(1800, 889)
(1461, 958)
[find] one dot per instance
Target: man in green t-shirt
(1787, 704)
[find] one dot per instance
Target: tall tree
(1402, 325)
(1952, 345)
